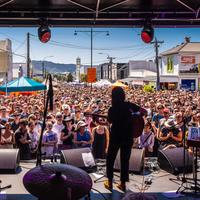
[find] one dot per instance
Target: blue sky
(123, 43)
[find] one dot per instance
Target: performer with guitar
(122, 115)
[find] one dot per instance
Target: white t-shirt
(49, 136)
(57, 128)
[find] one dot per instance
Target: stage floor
(160, 184)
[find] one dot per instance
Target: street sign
(91, 75)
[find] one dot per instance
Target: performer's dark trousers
(125, 152)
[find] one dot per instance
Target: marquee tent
(102, 83)
(22, 84)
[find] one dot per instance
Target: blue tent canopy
(23, 84)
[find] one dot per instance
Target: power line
(69, 45)
(20, 45)
(10, 37)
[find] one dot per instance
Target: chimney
(187, 39)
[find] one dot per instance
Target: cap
(170, 123)
(66, 119)
(166, 110)
(65, 106)
(80, 124)
(58, 114)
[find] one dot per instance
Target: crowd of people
(79, 119)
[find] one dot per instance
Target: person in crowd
(34, 137)
(101, 140)
(24, 113)
(147, 139)
(3, 114)
(58, 126)
(179, 121)
(170, 135)
(23, 140)
(159, 115)
(88, 119)
(15, 123)
(50, 139)
(38, 123)
(78, 115)
(6, 137)
(119, 115)
(66, 111)
(67, 134)
(82, 137)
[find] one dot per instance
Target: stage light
(147, 34)
(44, 33)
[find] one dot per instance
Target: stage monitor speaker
(76, 158)
(171, 160)
(9, 160)
(136, 161)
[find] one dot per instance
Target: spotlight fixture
(44, 33)
(147, 33)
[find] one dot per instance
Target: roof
(114, 13)
(22, 84)
(190, 47)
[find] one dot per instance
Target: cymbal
(56, 181)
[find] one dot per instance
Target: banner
(170, 65)
(91, 75)
(188, 59)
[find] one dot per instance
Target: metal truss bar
(97, 8)
(186, 5)
(114, 5)
(80, 5)
(5, 3)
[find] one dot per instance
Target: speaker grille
(172, 160)
(136, 161)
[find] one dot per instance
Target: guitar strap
(147, 138)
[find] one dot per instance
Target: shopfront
(188, 84)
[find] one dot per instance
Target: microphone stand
(183, 179)
(49, 99)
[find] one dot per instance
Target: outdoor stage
(160, 184)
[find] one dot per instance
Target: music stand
(195, 144)
(193, 141)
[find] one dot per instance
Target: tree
(83, 77)
(38, 79)
(70, 78)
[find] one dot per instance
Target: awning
(169, 79)
(138, 82)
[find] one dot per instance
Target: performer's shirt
(122, 123)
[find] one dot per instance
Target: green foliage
(70, 78)
(148, 88)
(83, 77)
(38, 79)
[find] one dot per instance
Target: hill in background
(52, 67)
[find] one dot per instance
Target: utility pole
(28, 55)
(110, 58)
(91, 41)
(43, 70)
(156, 45)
